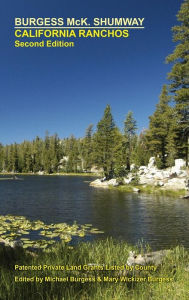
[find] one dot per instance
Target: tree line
(110, 148)
(107, 148)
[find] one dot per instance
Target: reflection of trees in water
(167, 219)
(55, 199)
(157, 220)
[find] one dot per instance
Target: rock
(173, 178)
(142, 170)
(175, 171)
(153, 176)
(13, 244)
(103, 179)
(132, 167)
(126, 181)
(151, 163)
(136, 190)
(166, 173)
(143, 179)
(176, 184)
(104, 183)
(149, 176)
(154, 171)
(3, 242)
(40, 173)
(129, 178)
(155, 258)
(159, 183)
(158, 175)
(187, 184)
(184, 197)
(16, 244)
(113, 182)
(183, 173)
(179, 163)
(97, 183)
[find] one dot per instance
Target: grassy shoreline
(53, 174)
(150, 189)
(104, 252)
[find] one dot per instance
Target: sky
(63, 90)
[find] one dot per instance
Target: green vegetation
(112, 149)
(52, 174)
(179, 82)
(161, 131)
(105, 252)
(107, 143)
(150, 189)
(129, 138)
(76, 174)
(169, 125)
(18, 228)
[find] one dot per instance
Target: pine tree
(72, 151)
(87, 148)
(46, 154)
(179, 77)
(118, 154)
(37, 154)
(104, 143)
(141, 155)
(53, 153)
(1, 157)
(28, 162)
(129, 137)
(160, 128)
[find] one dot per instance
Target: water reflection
(162, 222)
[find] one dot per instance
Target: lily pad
(16, 227)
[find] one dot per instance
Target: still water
(162, 222)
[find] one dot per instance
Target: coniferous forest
(111, 148)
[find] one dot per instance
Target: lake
(162, 222)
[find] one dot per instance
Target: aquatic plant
(19, 228)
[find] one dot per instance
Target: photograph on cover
(94, 150)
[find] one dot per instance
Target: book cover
(94, 138)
